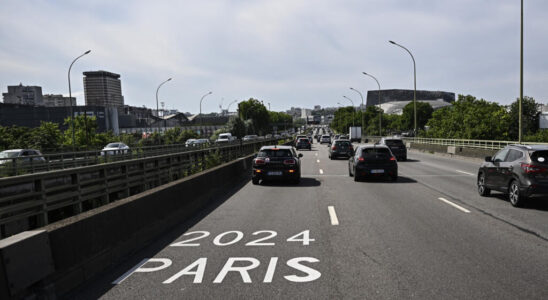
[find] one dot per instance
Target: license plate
(377, 171)
(275, 173)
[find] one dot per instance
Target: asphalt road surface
(427, 236)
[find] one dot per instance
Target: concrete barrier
(453, 150)
(84, 245)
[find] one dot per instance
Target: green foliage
(424, 113)
(213, 159)
(530, 117)
(470, 118)
(85, 129)
(255, 111)
(237, 127)
(280, 120)
(541, 136)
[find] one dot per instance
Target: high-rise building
(102, 88)
(58, 100)
(22, 94)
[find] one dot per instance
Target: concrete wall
(83, 246)
(457, 151)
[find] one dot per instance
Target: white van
(225, 138)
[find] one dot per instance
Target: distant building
(317, 107)
(102, 88)
(58, 100)
(393, 101)
(24, 95)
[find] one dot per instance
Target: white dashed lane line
(321, 171)
(333, 216)
(455, 205)
(318, 161)
(467, 173)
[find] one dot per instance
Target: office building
(51, 100)
(102, 88)
(24, 95)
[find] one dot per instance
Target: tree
(470, 118)
(280, 120)
(85, 129)
(255, 111)
(47, 137)
(424, 113)
(237, 127)
(530, 117)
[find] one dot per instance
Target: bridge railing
(57, 161)
(481, 144)
(34, 200)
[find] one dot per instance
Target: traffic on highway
(411, 228)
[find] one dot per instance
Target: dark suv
(520, 171)
(278, 163)
(341, 148)
(397, 147)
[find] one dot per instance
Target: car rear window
(540, 156)
(112, 145)
(343, 144)
(275, 153)
(375, 152)
(393, 142)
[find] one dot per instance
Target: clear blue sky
(286, 52)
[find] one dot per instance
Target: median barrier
(478, 153)
(84, 245)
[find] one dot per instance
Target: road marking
(465, 173)
(318, 161)
(316, 154)
(454, 205)
(333, 215)
(321, 171)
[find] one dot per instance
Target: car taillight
(334, 148)
(361, 159)
(393, 158)
(259, 161)
(532, 168)
(289, 162)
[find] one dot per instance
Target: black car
(397, 146)
(373, 161)
(341, 148)
(303, 143)
(276, 163)
(520, 171)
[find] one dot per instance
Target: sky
(284, 52)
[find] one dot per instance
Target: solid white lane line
(321, 171)
(455, 205)
(467, 173)
(318, 161)
(333, 216)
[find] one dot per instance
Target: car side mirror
(488, 158)
(300, 155)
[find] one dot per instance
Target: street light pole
(228, 109)
(361, 109)
(380, 109)
(70, 99)
(353, 109)
(201, 120)
(520, 75)
(157, 109)
(415, 86)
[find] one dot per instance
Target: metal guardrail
(57, 161)
(34, 200)
(480, 144)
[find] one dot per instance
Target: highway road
(427, 236)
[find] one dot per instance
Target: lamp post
(380, 109)
(70, 97)
(201, 120)
(415, 86)
(157, 109)
(228, 108)
(353, 108)
(361, 109)
(520, 74)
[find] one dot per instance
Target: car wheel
(350, 171)
(356, 177)
(514, 194)
(394, 178)
(255, 180)
(482, 189)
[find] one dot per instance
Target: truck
(355, 134)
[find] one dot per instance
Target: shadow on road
(99, 285)
(401, 179)
(536, 203)
(305, 181)
(408, 160)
